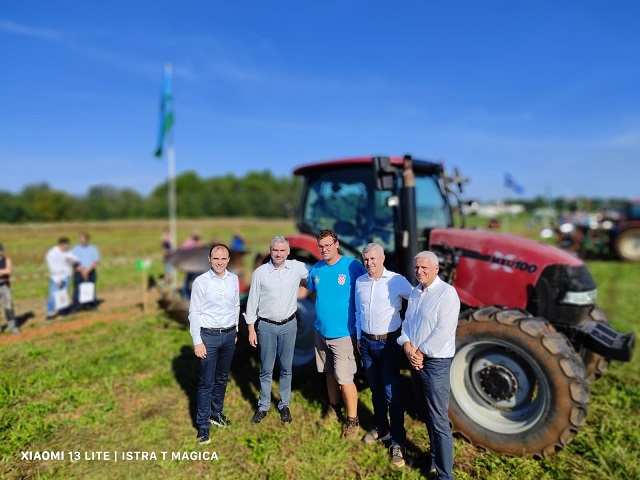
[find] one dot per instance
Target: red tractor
(530, 336)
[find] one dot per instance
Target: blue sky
(547, 90)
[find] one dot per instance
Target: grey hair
(433, 258)
(372, 246)
(279, 239)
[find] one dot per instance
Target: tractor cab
(359, 199)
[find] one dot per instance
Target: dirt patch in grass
(115, 306)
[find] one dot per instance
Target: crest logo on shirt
(342, 279)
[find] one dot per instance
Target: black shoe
(258, 416)
(220, 420)
(203, 437)
(285, 415)
(50, 318)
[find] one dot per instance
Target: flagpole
(171, 183)
(165, 137)
(171, 167)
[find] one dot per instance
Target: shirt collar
(435, 282)
(212, 274)
(385, 273)
(273, 267)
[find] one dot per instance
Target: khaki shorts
(336, 355)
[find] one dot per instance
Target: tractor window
(347, 202)
(431, 207)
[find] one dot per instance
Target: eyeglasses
(325, 247)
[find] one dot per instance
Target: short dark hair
(327, 232)
(63, 240)
(215, 246)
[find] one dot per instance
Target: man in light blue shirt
(271, 319)
(429, 342)
(88, 257)
(213, 323)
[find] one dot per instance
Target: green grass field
(115, 399)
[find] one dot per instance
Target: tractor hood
(498, 269)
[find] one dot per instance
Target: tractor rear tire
(627, 245)
(517, 385)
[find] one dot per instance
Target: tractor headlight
(580, 298)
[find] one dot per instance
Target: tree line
(256, 194)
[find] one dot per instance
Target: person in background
(213, 323)
(333, 279)
(88, 257)
(379, 295)
(237, 242)
(429, 342)
(193, 241)
(271, 318)
(6, 268)
(60, 263)
(166, 243)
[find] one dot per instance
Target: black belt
(378, 337)
(218, 331)
(281, 322)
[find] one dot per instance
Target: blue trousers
(214, 374)
(77, 280)
(276, 341)
(381, 359)
(53, 286)
(431, 386)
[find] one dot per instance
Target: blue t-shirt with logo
(335, 296)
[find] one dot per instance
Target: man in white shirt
(60, 262)
(213, 323)
(429, 341)
(271, 318)
(379, 295)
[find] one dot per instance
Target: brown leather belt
(281, 322)
(378, 337)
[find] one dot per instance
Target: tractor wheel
(595, 365)
(517, 385)
(627, 245)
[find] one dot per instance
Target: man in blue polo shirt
(333, 279)
(88, 257)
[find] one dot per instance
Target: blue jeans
(431, 386)
(53, 286)
(381, 359)
(214, 373)
(280, 341)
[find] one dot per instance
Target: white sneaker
(397, 455)
(373, 436)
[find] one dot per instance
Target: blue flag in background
(510, 183)
(166, 111)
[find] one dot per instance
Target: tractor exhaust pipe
(408, 241)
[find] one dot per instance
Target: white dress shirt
(431, 319)
(274, 291)
(378, 302)
(59, 263)
(215, 303)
